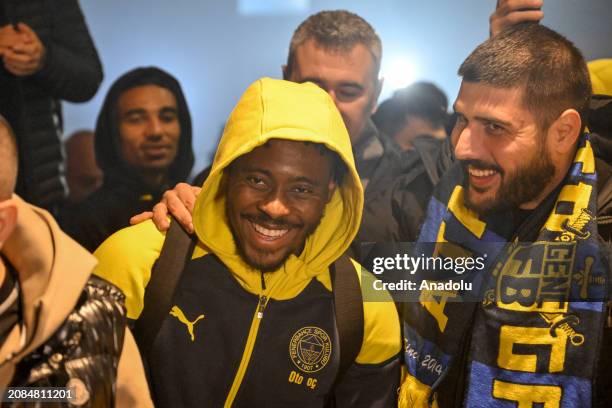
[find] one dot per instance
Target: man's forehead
(289, 147)
(314, 61)
(288, 154)
(146, 96)
(476, 98)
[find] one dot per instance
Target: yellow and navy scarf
(535, 338)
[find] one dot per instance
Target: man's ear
(331, 188)
(565, 131)
(8, 220)
(379, 86)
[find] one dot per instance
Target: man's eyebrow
(168, 109)
(487, 119)
(134, 111)
(267, 173)
(321, 83)
(251, 169)
(142, 111)
(496, 121)
(351, 84)
(304, 179)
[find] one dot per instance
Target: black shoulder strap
(349, 312)
(175, 253)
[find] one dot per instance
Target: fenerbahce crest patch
(310, 349)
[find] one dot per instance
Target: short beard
(518, 187)
(259, 266)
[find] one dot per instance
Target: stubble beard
(519, 187)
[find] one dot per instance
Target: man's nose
(468, 144)
(275, 205)
(155, 128)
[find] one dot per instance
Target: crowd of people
(248, 288)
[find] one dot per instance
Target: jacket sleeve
(126, 258)
(132, 388)
(72, 68)
(373, 380)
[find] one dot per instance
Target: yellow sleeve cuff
(126, 258)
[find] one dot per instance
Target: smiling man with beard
(526, 174)
(253, 319)
(266, 236)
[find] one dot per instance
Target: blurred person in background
(47, 55)
(142, 145)
(82, 172)
(416, 118)
(417, 110)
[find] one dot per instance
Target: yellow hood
(601, 76)
(275, 109)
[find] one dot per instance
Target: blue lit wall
(216, 52)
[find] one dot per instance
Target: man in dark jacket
(47, 56)
(143, 146)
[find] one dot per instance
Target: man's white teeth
(481, 173)
(272, 233)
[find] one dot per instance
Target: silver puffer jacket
(84, 352)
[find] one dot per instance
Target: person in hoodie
(143, 146)
(59, 326)
(283, 201)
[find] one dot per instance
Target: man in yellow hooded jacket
(252, 320)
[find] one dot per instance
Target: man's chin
(265, 262)
(481, 203)
(157, 165)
